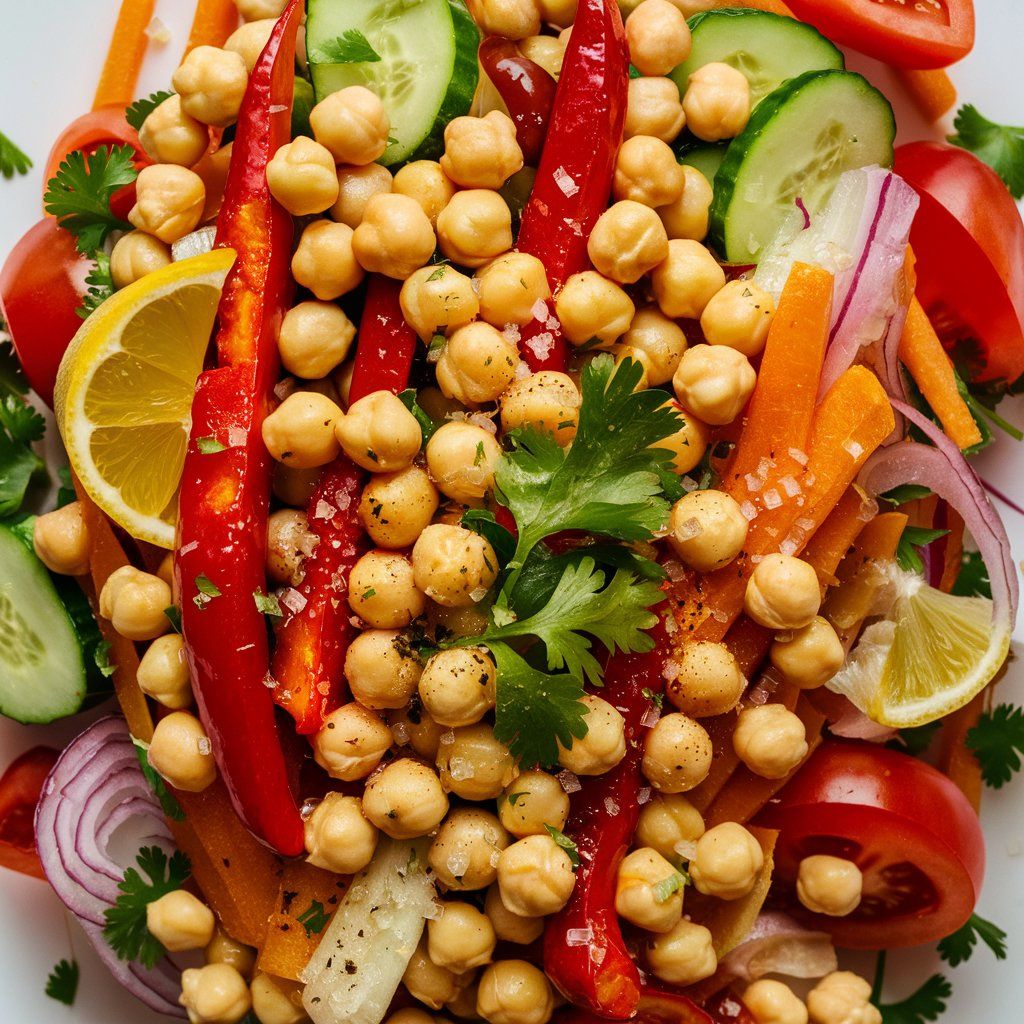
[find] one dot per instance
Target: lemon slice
(928, 655)
(124, 391)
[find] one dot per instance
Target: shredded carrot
(932, 91)
(829, 545)
(953, 550)
(926, 360)
(771, 6)
(956, 759)
(124, 57)
(214, 21)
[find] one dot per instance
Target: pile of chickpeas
(418, 732)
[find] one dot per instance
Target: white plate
(51, 59)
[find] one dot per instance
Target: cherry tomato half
(908, 828)
(909, 35)
(19, 793)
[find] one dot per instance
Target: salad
(518, 543)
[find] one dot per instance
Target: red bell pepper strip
(225, 495)
(664, 1007)
(317, 629)
(574, 178)
(19, 793)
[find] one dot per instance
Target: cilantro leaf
(351, 47)
(482, 521)
(12, 377)
(313, 918)
(928, 1003)
(904, 493)
(565, 843)
(173, 615)
(125, 928)
(267, 604)
(20, 425)
(101, 285)
(66, 491)
(208, 590)
(62, 984)
(12, 160)
(79, 194)
(427, 425)
(136, 113)
(998, 743)
(168, 802)
(209, 445)
(1000, 146)
(917, 739)
(972, 580)
(915, 537)
(959, 946)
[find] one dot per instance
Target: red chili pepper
(574, 178)
(314, 636)
(527, 89)
(225, 495)
(660, 1007)
(19, 793)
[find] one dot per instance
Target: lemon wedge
(928, 654)
(124, 390)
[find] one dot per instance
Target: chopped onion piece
(194, 244)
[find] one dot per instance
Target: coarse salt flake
(293, 600)
(569, 782)
(690, 529)
(158, 32)
(853, 449)
(643, 796)
(754, 483)
(772, 498)
(324, 510)
(579, 936)
(565, 182)
(798, 456)
(748, 511)
(541, 344)
(790, 485)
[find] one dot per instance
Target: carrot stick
(124, 57)
(932, 91)
(953, 550)
(829, 545)
(923, 355)
(772, 6)
(956, 759)
(214, 21)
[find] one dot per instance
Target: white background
(51, 54)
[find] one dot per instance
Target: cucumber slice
(706, 157)
(47, 648)
(426, 74)
(767, 48)
(798, 142)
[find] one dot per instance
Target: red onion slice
(779, 945)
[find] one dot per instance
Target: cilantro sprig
(959, 946)
(564, 842)
(12, 159)
(20, 426)
(915, 537)
(928, 1003)
(351, 47)
(998, 744)
(62, 983)
(136, 113)
(1000, 146)
(100, 285)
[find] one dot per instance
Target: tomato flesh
(20, 787)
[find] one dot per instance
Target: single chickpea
(135, 255)
(61, 540)
(180, 921)
(214, 994)
(353, 124)
(453, 566)
(170, 136)
(382, 669)
(627, 241)
(809, 657)
(294, 486)
(547, 401)
(461, 939)
(464, 855)
(169, 201)
(256, 10)
(829, 885)
(477, 364)
(277, 1000)
(395, 237)
(686, 280)
(677, 754)
(511, 927)
(649, 891)
(708, 681)
(395, 508)
(510, 287)
(547, 52)
(163, 673)
(357, 185)
(772, 1002)
(770, 740)
(315, 337)
(658, 37)
(514, 992)
(211, 83)
(431, 984)
(438, 299)
(688, 215)
(684, 955)
(165, 570)
(338, 836)
(325, 262)
(462, 458)
(379, 433)
(180, 752)
(727, 862)
(782, 593)
(135, 602)
(300, 431)
(739, 316)
(668, 821)
(591, 307)
(382, 590)
(457, 686)
(708, 530)
(412, 727)
(717, 102)
(561, 13)
(688, 443)
(475, 227)
(302, 178)
(223, 949)
(653, 108)
(468, 620)
(475, 764)
(481, 152)
(646, 171)
(531, 802)
(660, 339)
(248, 40)
(405, 799)
(604, 745)
(513, 19)
(535, 876)
(714, 383)
(842, 998)
(426, 182)
(351, 742)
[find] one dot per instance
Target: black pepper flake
(350, 967)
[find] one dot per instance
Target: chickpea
(61, 540)
(653, 108)
(214, 994)
(426, 182)
(315, 337)
(469, 620)
(324, 261)
(169, 201)
(727, 862)
(477, 364)
(514, 992)
(772, 1002)
(255, 10)
(394, 238)
(829, 885)
(627, 241)
(513, 19)
(475, 227)
(294, 486)
(782, 593)
(379, 433)
(739, 316)
(660, 339)
(412, 726)
(658, 37)
(223, 949)
(809, 657)
(637, 897)
(426, 981)
(277, 1000)
(842, 998)
(547, 401)
(677, 754)
(412, 1015)
(381, 668)
(545, 51)
(405, 799)
(248, 40)
(708, 530)
(686, 280)
(684, 955)
(770, 740)
(453, 566)
(481, 152)
(510, 287)
(531, 802)
(561, 13)
(353, 124)
(535, 876)
(458, 686)
(351, 742)
(211, 83)
(708, 681)
(179, 921)
(163, 673)
(357, 185)
(511, 927)
(395, 508)
(717, 102)
(135, 601)
(170, 136)
(591, 307)
(462, 458)
(166, 569)
(461, 938)
(338, 836)
(646, 171)
(688, 443)
(300, 431)
(688, 215)
(302, 178)
(474, 764)
(667, 821)
(438, 299)
(464, 855)
(382, 591)
(135, 255)
(714, 383)
(604, 745)
(180, 752)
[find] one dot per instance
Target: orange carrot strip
(923, 355)
(213, 22)
(956, 759)
(124, 56)
(932, 91)
(772, 6)
(953, 553)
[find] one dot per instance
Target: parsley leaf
(12, 160)
(79, 194)
(928, 1003)
(313, 918)
(427, 425)
(20, 425)
(62, 984)
(137, 112)
(565, 843)
(482, 521)
(208, 590)
(101, 285)
(66, 491)
(915, 537)
(125, 928)
(1000, 146)
(998, 743)
(904, 493)
(168, 802)
(351, 47)
(209, 445)
(917, 739)
(972, 580)
(173, 615)
(12, 377)
(959, 946)
(267, 604)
